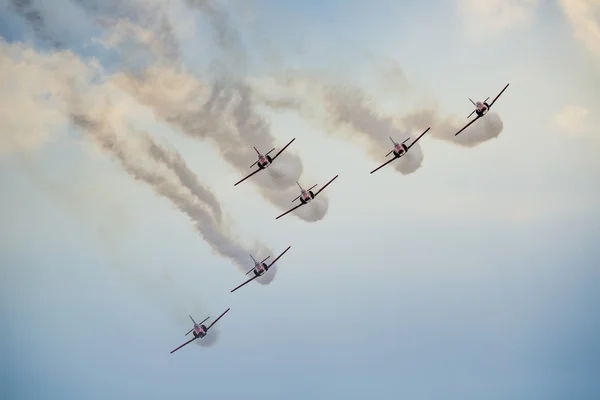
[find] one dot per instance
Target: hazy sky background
(471, 275)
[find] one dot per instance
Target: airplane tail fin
(297, 183)
(192, 320)
(472, 102)
(392, 140)
(257, 152)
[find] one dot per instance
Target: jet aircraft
(260, 268)
(481, 109)
(264, 160)
(400, 149)
(306, 196)
(199, 330)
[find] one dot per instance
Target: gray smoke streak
(34, 17)
(160, 44)
(80, 91)
(104, 136)
(177, 164)
(223, 111)
(226, 36)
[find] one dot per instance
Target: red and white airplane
(264, 160)
(306, 196)
(260, 268)
(199, 330)
(400, 149)
(481, 108)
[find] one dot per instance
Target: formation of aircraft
(307, 195)
(481, 109)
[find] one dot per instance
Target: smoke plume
(34, 17)
(223, 110)
(347, 111)
(68, 90)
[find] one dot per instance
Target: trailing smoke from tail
(80, 92)
(225, 115)
(335, 107)
(223, 111)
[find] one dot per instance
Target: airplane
(306, 196)
(400, 149)
(481, 108)
(264, 160)
(199, 330)
(260, 268)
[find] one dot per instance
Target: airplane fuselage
(482, 108)
(260, 269)
(200, 331)
(307, 196)
(264, 161)
(399, 149)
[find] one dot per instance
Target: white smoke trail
(334, 107)
(223, 111)
(68, 89)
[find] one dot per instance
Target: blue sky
(474, 277)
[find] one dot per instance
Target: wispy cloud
(573, 119)
(584, 16)
(495, 16)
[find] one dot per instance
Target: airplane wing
(281, 151)
(467, 125)
(248, 281)
(278, 257)
(258, 170)
(215, 321)
(186, 343)
(384, 164)
(289, 211)
(320, 190)
(496, 98)
(417, 139)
